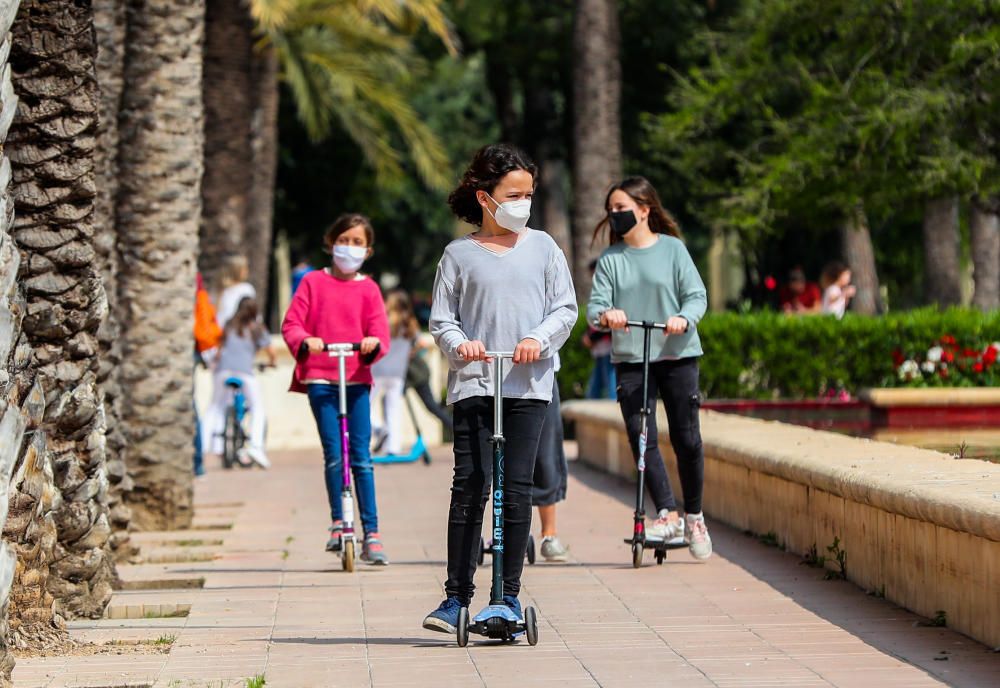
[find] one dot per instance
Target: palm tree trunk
(14, 419)
(158, 211)
(109, 28)
(860, 256)
(264, 147)
(597, 147)
(52, 149)
(942, 273)
(984, 228)
(228, 93)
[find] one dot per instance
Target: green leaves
(806, 107)
(354, 63)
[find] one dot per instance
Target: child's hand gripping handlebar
(343, 349)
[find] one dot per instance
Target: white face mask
(512, 215)
(349, 259)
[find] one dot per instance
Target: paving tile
(750, 617)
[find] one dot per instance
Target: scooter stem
(496, 590)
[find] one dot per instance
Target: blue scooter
(497, 621)
(417, 451)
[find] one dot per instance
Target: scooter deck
(497, 621)
(651, 543)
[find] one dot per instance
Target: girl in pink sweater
(339, 304)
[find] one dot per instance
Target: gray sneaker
(696, 534)
(553, 550)
(666, 530)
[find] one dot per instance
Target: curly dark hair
(490, 164)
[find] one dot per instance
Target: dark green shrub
(769, 355)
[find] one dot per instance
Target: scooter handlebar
(500, 354)
(341, 347)
(644, 324)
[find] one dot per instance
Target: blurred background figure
(390, 371)
(800, 295)
(602, 384)
(300, 270)
(234, 288)
(837, 289)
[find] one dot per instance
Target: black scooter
(639, 541)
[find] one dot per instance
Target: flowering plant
(949, 364)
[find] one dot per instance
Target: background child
(243, 336)
(390, 372)
(339, 304)
(235, 288)
(837, 289)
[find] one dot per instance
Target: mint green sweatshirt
(653, 283)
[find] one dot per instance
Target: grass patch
(257, 681)
(289, 540)
(838, 555)
(813, 559)
(165, 640)
(284, 554)
(770, 539)
(157, 614)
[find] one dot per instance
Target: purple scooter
(348, 539)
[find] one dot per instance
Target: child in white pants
(243, 336)
(389, 373)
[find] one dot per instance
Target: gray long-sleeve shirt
(500, 299)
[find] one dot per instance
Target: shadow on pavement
(946, 655)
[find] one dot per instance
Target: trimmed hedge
(769, 355)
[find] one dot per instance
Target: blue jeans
(602, 379)
(325, 403)
(199, 463)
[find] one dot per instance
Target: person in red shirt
(799, 295)
(339, 304)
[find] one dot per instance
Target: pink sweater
(334, 311)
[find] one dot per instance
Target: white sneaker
(553, 550)
(666, 530)
(259, 457)
(696, 534)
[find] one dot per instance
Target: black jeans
(431, 404)
(472, 484)
(677, 384)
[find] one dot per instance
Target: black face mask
(621, 222)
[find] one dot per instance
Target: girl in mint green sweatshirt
(647, 274)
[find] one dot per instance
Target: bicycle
(234, 434)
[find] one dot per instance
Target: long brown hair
(402, 321)
(643, 193)
(247, 317)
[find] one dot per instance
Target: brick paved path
(274, 603)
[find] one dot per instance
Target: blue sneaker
(445, 618)
(514, 605)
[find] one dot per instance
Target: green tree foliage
(412, 220)
(354, 64)
(805, 110)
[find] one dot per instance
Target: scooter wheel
(482, 551)
(348, 556)
(531, 549)
(462, 629)
(660, 556)
(531, 626)
(427, 458)
(636, 555)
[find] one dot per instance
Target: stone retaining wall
(919, 527)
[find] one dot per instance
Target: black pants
(551, 471)
(431, 404)
(677, 384)
(472, 483)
